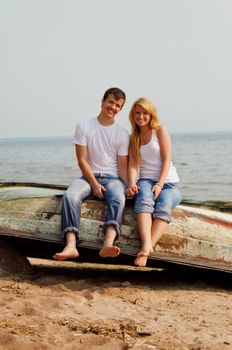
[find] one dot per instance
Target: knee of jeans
(70, 196)
(162, 212)
(145, 205)
(119, 199)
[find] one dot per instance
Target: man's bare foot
(109, 252)
(67, 253)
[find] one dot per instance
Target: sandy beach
(66, 305)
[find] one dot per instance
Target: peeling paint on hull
(196, 236)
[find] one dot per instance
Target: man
(102, 155)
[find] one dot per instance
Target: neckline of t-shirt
(104, 126)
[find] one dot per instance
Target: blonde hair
(135, 131)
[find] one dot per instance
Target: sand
(65, 305)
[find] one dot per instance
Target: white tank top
(151, 162)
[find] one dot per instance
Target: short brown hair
(116, 92)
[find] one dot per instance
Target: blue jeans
(160, 208)
(80, 189)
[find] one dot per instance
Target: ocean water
(203, 162)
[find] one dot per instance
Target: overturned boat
(30, 219)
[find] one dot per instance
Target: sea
(203, 162)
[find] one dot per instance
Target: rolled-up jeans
(161, 208)
(79, 190)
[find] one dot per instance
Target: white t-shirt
(105, 144)
(151, 162)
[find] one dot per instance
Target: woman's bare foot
(69, 252)
(142, 257)
(109, 252)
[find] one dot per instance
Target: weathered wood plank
(196, 236)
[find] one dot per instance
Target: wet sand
(65, 305)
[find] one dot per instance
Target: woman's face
(141, 116)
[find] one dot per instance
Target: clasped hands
(131, 190)
(134, 189)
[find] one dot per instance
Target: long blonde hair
(135, 131)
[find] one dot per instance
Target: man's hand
(98, 190)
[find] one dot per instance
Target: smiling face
(111, 106)
(141, 116)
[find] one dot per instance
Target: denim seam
(113, 223)
(71, 229)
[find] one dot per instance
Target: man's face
(111, 106)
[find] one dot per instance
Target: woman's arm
(165, 154)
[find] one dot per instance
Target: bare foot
(142, 257)
(67, 253)
(111, 252)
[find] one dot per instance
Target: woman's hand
(131, 190)
(156, 189)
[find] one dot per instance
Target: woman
(151, 176)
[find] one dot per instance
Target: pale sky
(59, 56)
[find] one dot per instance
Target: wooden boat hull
(196, 236)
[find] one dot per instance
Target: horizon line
(171, 132)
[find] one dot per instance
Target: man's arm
(82, 159)
(122, 168)
(132, 175)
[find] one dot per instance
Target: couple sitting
(102, 155)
